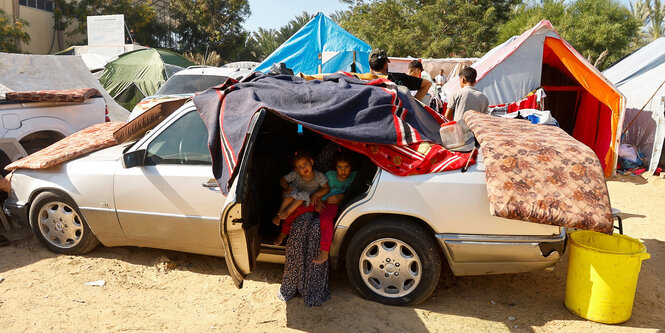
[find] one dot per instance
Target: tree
(428, 28)
(205, 25)
(652, 17)
(527, 15)
(11, 32)
(139, 15)
(601, 30)
(265, 41)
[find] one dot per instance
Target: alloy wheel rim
(60, 224)
(390, 267)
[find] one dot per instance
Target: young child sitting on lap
(302, 185)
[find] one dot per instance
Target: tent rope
(642, 109)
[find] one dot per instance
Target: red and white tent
(583, 101)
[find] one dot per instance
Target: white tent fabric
(23, 72)
(513, 76)
(540, 57)
(639, 76)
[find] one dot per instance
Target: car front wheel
(394, 261)
(58, 224)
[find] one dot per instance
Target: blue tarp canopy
(321, 42)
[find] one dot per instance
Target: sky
(274, 14)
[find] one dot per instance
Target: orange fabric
(599, 88)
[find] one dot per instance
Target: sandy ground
(152, 290)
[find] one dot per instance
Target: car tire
(394, 261)
(57, 223)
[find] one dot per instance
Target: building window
(46, 5)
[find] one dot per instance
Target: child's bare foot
(276, 220)
(283, 215)
(321, 258)
(279, 239)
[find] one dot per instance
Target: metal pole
(642, 109)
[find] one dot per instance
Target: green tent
(138, 74)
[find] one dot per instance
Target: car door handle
(211, 184)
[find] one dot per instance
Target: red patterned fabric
(539, 173)
(66, 95)
(80, 143)
(415, 159)
(529, 102)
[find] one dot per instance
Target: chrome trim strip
(110, 210)
(123, 211)
(502, 238)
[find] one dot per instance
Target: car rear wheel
(58, 224)
(394, 261)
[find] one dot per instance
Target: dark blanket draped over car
(342, 108)
(539, 173)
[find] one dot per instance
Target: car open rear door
(239, 220)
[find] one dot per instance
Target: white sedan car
(394, 233)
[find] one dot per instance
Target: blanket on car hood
(539, 173)
(370, 117)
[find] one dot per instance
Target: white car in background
(187, 82)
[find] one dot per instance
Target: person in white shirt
(440, 80)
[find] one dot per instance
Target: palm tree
(266, 40)
(340, 16)
(656, 28)
(652, 15)
(294, 25)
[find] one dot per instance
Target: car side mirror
(133, 158)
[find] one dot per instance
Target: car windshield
(189, 84)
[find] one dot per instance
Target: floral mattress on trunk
(540, 174)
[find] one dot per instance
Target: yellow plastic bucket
(602, 275)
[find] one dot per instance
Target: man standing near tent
(467, 98)
(378, 63)
(440, 80)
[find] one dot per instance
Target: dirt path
(151, 290)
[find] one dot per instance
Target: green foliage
(428, 28)
(11, 32)
(651, 16)
(139, 15)
(601, 30)
(203, 25)
(265, 41)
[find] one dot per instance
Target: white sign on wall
(106, 34)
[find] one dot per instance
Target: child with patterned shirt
(302, 185)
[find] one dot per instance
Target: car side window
(185, 141)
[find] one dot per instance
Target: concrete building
(39, 14)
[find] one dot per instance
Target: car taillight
(106, 114)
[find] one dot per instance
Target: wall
(42, 37)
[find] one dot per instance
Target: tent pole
(642, 109)
(320, 62)
(354, 61)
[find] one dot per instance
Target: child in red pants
(338, 181)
